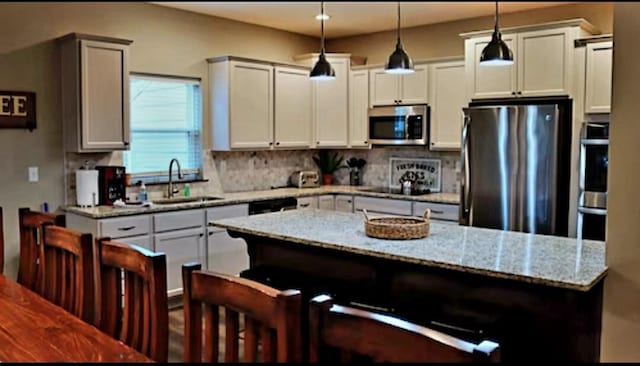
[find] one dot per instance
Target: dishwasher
(272, 205)
(260, 274)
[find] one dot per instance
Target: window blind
(166, 123)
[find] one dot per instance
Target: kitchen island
(539, 296)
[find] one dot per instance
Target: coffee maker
(111, 184)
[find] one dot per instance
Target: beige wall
(443, 40)
(165, 40)
(621, 315)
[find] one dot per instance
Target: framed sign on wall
(425, 172)
(17, 109)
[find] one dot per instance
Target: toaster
(305, 179)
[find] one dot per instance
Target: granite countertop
(101, 212)
(549, 260)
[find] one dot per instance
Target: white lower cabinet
(344, 203)
(226, 254)
(145, 241)
(308, 202)
(439, 211)
(382, 206)
(326, 202)
(180, 246)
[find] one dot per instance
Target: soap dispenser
(142, 194)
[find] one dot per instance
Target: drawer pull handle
(436, 211)
(201, 235)
(304, 204)
(210, 233)
(126, 228)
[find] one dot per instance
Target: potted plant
(328, 164)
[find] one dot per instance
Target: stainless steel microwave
(399, 125)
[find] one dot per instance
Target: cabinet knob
(317, 142)
(278, 143)
(513, 93)
(126, 143)
(519, 93)
(271, 143)
(201, 235)
(366, 142)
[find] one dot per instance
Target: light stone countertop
(101, 212)
(548, 260)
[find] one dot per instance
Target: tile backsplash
(258, 170)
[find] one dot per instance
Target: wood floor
(176, 336)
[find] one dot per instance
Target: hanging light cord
(322, 27)
(495, 27)
(398, 22)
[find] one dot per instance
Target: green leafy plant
(328, 163)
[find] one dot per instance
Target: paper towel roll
(86, 188)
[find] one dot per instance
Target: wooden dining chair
(269, 314)
(1, 242)
(30, 223)
(338, 333)
(133, 297)
(67, 271)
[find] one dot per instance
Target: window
(166, 123)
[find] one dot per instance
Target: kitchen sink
(174, 200)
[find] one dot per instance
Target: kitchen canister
(86, 187)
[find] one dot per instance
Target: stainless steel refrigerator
(515, 165)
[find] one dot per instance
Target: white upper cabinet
(489, 81)
(390, 89)
(330, 101)
(542, 55)
(359, 108)
(598, 77)
(447, 100)
(241, 104)
(331, 106)
(95, 93)
(293, 119)
(545, 60)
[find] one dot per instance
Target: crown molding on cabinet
(415, 62)
(599, 38)
(92, 37)
(253, 60)
(582, 23)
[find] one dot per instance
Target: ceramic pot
(327, 179)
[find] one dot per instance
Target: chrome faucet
(171, 191)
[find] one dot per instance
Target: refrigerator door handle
(464, 181)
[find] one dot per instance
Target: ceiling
(349, 18)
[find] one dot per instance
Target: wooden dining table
(33, 329)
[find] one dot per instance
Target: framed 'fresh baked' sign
(425, 172)
(17, 109)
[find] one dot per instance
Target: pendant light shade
(322, 69)
(399, 62)
(496, 52)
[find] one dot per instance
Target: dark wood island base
(532, 322)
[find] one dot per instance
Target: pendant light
(496, 52)
(322, 69)
(399, 62)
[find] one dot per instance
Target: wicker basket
(402, 228)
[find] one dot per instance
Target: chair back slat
(133, 292)
(232, 328)
(64, 250)
(271, 317)
(385, 338)
(30, 223)
(212, 323)
(250, 340)
(268, 345)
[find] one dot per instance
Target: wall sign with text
(425, 172)
(17, 109)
